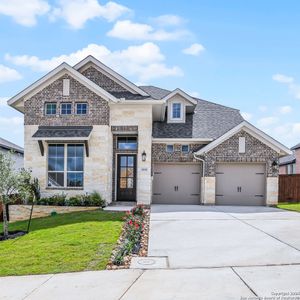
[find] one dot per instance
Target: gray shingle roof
(128, 96)
(209, 120)
(296, 147)
(289, 159)
(5, 144)
(63, 131)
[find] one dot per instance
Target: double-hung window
(50, 109)
(66, 108)
(65, 165)
(176, 111)
(81, 108)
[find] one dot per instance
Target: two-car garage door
(176, 183)
(240, 184)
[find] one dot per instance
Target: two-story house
(88, 128)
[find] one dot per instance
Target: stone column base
(272, 191)
(208, 190)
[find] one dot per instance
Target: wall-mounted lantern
(144, 155)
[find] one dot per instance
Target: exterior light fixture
(144, 155)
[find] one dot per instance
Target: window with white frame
(185, 149)
(50, 108)
(291, 169)
(81, 108)
(66, 109)
(170, 148)
(176, 113)
(65, 165)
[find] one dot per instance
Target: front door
(126, 177)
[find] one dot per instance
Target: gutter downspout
(203, 172)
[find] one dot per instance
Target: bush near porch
(62, 243)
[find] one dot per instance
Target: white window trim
(45, 108)
(170, 111)
(167, 148)
(65, 171)
(61, 105)
(87, 108)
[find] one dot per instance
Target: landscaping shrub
(74, 201)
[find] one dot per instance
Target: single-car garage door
(240, 184)
(176, 184)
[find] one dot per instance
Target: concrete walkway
(212, 253)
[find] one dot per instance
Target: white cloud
(293, 87)
(168, 20)
(194, 49)
(24, 12)
(194, 94)
(246, 116)
(77, 12)
(267, 121)
(3, 101)
(7, 74)
(143, 61)
(127, 30)
(285, 109)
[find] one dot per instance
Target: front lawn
(62, 243)
(289, 206)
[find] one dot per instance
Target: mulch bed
(12, 235)
(142, 249)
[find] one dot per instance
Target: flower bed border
(143, 243)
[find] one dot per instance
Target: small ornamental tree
(13, 185)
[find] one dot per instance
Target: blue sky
(243, 54)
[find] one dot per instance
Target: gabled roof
(59, 71)
(112, 74)
(7, 145)
(257, 133)
(296, 147)
(182, 94)
(286, 160)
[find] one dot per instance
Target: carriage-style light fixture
(144, 155)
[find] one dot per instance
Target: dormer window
(176, 111)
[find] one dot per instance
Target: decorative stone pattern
(228, 151)
(102, 80)
(34, 108)
(124, 128)
(22, 212)
(159, 153)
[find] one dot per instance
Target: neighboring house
(290, 164)
(17, 152)
(88, 128)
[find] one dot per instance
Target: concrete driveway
(212, 253)
(224, 236)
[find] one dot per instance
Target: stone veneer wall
(22, 212)
(102, 80)
(228, 151)
(34, 107)
(141, 116)
(159, 153)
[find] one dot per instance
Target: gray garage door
(240, 184)
(176, 184)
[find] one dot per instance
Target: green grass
(290, 206)
(62, 243)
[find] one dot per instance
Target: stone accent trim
(34, 108)
(133, 129)
(272, 191)
(228, 151)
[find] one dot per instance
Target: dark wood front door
(126, 177)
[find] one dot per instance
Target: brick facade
(228, 151)
(102, 80)
(159, 153)
(34, 108)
